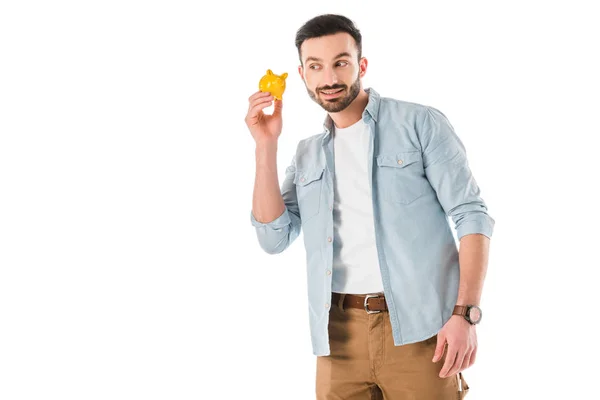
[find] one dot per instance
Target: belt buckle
(367, 297)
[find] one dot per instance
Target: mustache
(335, 87)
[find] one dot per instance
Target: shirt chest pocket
(309, 185)
(401, 176)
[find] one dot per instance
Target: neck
(353, 113)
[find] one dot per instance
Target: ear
(363, 66)
(269, 72)
(284, 75)
(300, 72)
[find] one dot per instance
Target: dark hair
(328, 24)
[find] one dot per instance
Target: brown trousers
(364, 364)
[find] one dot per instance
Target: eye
(342, 63)
(314, 66)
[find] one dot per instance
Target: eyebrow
(342, 54)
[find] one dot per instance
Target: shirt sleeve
(277, 235)
(447, 169)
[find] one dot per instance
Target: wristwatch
(470, 312)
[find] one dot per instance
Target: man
(392, 301)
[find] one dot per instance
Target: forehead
(327, 48)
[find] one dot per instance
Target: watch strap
(460, 310)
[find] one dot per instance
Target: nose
(330, 77)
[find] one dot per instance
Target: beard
(339, 103)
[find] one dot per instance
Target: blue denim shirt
(419, 175)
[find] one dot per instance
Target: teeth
(331, 92)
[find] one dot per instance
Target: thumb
(278, 105)
(439, 348)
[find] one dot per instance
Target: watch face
(474, 314)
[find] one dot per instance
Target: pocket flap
(303, 178)
(399, 160)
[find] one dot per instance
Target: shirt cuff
(280, 222)
(483, 225)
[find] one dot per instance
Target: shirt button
(329, 239)
(326, 305)
(330, 208)
(399, 161)
(328, 272)
(302, 179)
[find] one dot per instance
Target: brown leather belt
(371, 303)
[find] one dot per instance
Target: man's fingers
(277, 107)
(450, 358)
(257, 95)
(472, 358)
(260, 99)
(439, 348)
(460, 358)
(466, 362)
(258, 106)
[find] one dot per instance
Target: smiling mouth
(331, 91)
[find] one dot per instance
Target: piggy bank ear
(284, 75)
(269, 72)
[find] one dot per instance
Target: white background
(128, 265)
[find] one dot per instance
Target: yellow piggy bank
(275, 84)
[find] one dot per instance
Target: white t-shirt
(355, 263)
